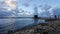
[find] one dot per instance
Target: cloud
(11, 3)
(45, 7)
(5, 10)
(5, 14)
(45, 14)
(45, 10)
(50, 11)
(56, 11)
(25, 4)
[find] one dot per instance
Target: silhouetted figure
(36, 16)
(55, 16)
(35, 12)
(35, 20)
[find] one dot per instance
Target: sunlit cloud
(11, 3)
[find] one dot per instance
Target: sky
(40, 2)
(28, 5)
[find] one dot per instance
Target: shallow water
(12, 24)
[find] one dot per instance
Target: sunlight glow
(11, 3)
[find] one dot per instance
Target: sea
(18, 23)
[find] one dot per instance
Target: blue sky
(32, 3)
(38, 2)
(28, 5)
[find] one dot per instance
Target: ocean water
(13, 24)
